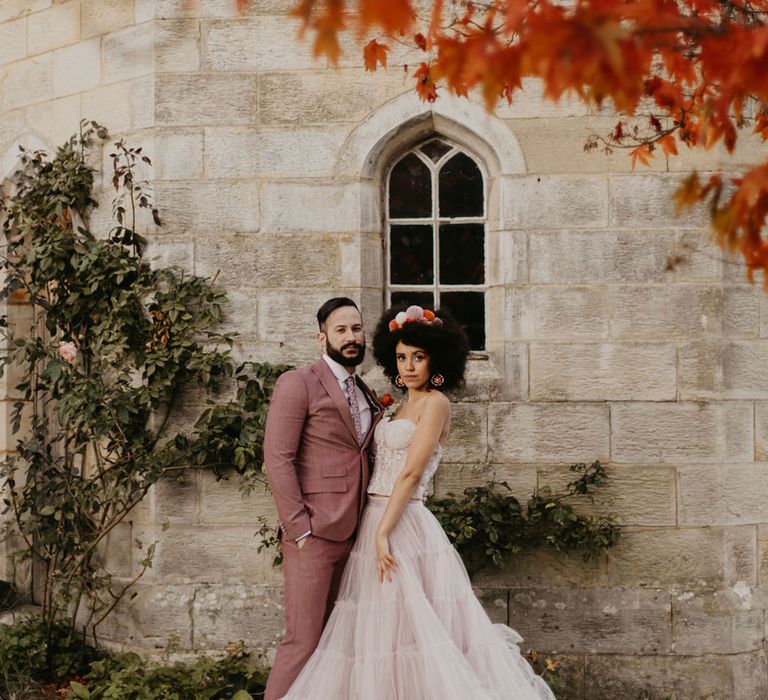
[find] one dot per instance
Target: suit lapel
(331, 385)
(377, 411)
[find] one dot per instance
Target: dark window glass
(410, 189)
(435, 149)
(461, 187)
(462, 254)
(410, 255)
(469, 310)
(426, 300)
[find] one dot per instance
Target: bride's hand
(384, 559)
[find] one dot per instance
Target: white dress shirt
(342, 373)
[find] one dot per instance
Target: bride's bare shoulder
(437, 401)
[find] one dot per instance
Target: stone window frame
(434, 169)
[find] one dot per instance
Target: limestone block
(128, 53)
(109, 105)
(269, 261)
(56, 120)
(11, 125)
(468, 438)
(153, 615)
(11, 9)
(294, 207)
(640, 256)
(495, 602)
(636, 495)
(177, 45)
(761, 431)
(657, 677)
(26, 82)
(713, 623)
(223, 613)
(9, 439)
(740, 555)
(302, 351)
(530, 103)
(557, 313)
(13, 41)
(59, 25)
(682, 432)
(507, 257)
(208, 207)
(483, 379)
(515, 381)
(659, 557)
(554, 201)
(207, 553)
(548, 432)
(282, 320)
(242, 314)
(243, 153)
(603, 372)
(178, 154)
(239, 45)
(114, 551)
(454, 478)
(143, 103)
(104, 16)
(762, 554)
(684, 311)
(737, 370)
(593, 621)
(701, 498)
(320, 97)
(217, 98)
(224, 502)
(77, 68)
(640, 199)
(177, 500)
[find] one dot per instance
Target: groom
(318, 432)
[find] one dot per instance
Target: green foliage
(113, 343)
(129, 677)
(489, 524)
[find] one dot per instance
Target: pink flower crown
(414, 314)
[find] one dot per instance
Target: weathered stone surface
(29, 81)
(507, 257)
(211, 208)
(312, 97)
(239, 45)
(717, 622)
(658, 557)
(128, 53)
(762, 554)
(515, 381)
(495, 602)
(224, 613)
(727, 370)
(611, 677)
(109, 105)
(282, 321)
(177, 45)
(335, 207)
(562, 313)
(267, 260)
(59, 25)
(103, 16)
(681, 432)
(593, 621)
(215, 96)
(454, 478)
(224, 502)
(55, 120)
(114, 552)
(11, 9)
(579, 257)
(13, 41)
(636, 495)
(700, 496)
(468, 439)
(761, 431)
(603, 372)
(175, 501)
(639, 199)
(238, 153)
(740, 555)
(547, 432)
(77, 68)
(178, 154)
(554, 201)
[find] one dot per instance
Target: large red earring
(437, 380)
(399, 381)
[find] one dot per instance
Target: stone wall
(268, 170)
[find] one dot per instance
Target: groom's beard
(337, 353)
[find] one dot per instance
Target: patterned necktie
(354, 406)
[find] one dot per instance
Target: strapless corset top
(392, 439)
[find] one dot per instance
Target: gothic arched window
(436, 234)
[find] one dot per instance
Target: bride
(406, 624)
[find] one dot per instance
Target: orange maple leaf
(425, 86)
(643, 154)
(374, 54)
(668, 145)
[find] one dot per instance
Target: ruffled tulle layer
(423, 636)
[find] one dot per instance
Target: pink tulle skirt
(423, 636)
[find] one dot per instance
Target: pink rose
(414, 313)
(68, 352)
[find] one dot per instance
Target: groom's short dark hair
(330, 306)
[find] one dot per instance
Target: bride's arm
(434, 417)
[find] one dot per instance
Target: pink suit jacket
(316, 468)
